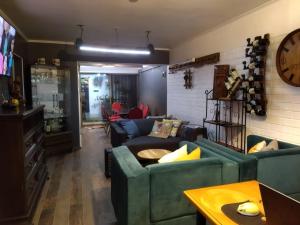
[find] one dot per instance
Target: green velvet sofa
(278, 169)
(153, 194)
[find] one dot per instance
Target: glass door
(95, 92)
(99, 91)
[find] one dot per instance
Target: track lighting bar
(114, 50)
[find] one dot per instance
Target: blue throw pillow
(130, 127)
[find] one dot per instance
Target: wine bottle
(250, 109)
(234, 74)
(259, 110)
(245, 84)
(48, 127)
(228, 85)
(255, 77)
(249, 44)
(254, 91)
(231, 80)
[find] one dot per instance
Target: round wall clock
(288, 59)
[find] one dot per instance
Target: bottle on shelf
(255, 77)
(254, 90)
(48, 126)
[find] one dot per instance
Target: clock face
(288, 59)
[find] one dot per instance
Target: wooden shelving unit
(227, 126)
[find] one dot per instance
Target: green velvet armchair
(154, 194)
(278, 169)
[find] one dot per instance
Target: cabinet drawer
(32, 165)
(34, 184)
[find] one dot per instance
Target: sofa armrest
(117, 135)
(169, 180)
(280, 170)
(129, 188)
(247, 163)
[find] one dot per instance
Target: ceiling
(171, 21)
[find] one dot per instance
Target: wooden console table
(210, 200)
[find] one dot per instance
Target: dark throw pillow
(130, 127)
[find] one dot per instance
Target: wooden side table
(152, 155)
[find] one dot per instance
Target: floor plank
(77, 192)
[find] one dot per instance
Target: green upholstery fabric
(254, 139)
(129, 188)
(169, 180)
(280, 169)
(230, 168)
(247, 163)
(154, 195)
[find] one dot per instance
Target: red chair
(116, 107)
(135, 113)
(141, 106)
(145, 111)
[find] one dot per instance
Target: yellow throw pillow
(171, 157)
(195, 154)
(258, 147)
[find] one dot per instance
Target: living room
(97, 174)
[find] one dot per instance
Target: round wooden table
(152, 154)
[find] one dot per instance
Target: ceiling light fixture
(114, 50)
(149, 45)
(79, 41)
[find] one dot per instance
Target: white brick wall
(283, 110)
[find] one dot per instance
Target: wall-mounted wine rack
(254, 81)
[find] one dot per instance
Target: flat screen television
(7, 43)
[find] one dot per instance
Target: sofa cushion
(144, 125)
(173, 156)
(175, 128)
(258, 147)
(247, 163)
(130, 127)
(253, 139)
(273, 145)
(196, 154)
(161, 129)
(146, 142)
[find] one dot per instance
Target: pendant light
(150, 46)
(79, 41)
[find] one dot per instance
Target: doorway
(103, 84)
(95, 91)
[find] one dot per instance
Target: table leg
(200, 219)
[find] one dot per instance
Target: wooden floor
(77, 192)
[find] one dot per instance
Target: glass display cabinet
(51, 88)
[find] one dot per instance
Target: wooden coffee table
(152, 154)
